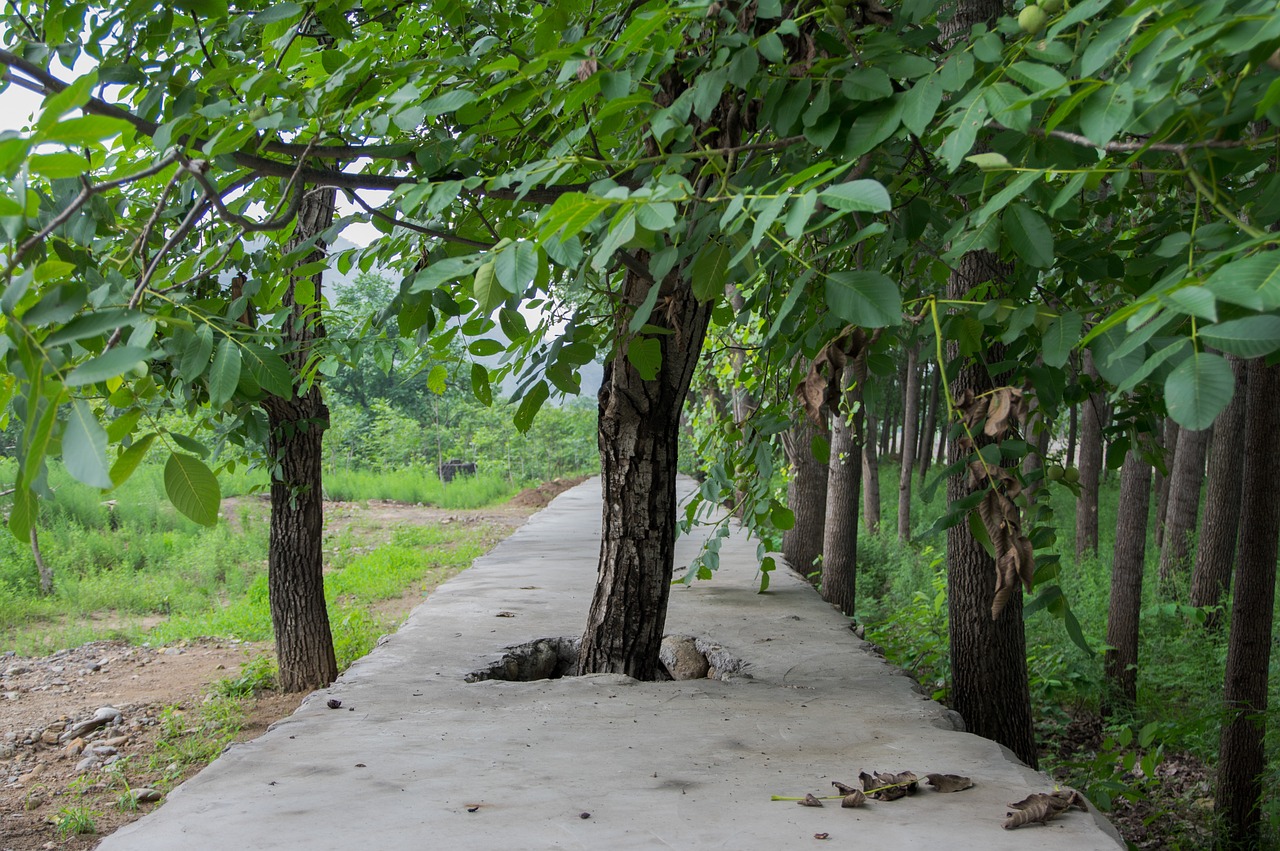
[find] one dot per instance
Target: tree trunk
(870, 477)
(638, 438)
(46, 573)
(1037, 434)
(1241, 761)
(931, 425)
(806, 497)
(910, 422)
(844, 479)
(1121, 687)
(1092, 412)
(1171, 432)
(988, 657)
(299, 616)
(1216, 550)
(1185, 482)
(1073, 431)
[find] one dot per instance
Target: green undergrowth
(903, 604)
(418, 486)
(137, 570)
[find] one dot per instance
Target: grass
(417, 486)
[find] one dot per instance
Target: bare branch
(416, 228)
(1134, 145)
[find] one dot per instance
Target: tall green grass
(417, 486)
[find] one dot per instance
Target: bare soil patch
(42, 772)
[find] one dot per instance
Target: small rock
(146, 796)
(16, 670)
(173, 651)
(49, 737)
(75, 747)
(34, 800)
(116, 741)
(679, 654)
(7, 750)
(105, 715)
(87, 764)
(101, 750)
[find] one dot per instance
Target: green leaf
(192, 488)
(190, 444)
(22, 516)
(1198, 301)
(110, 364)
(866, 299)
(278, 13)
(1253, 282)
(448, 102)
(867, 196)
(436, 379)
(1151, 364)
(485, 348)
(920, 104)
(130, 458)
(1029, 235)
(1060, 338)
(489, 293)
(1250, 337)
(1198, 390)
(798, 216)
(988, 161)
(195, 354)
(93, 324)
(55, 166)
(645, 354)
(75, 95)
(782, 518)
(84, 129)
(1106, 112)
(224, 375)
(516, 266)
(970, 118)
(480, 384)
(710, 270)
(84, 447)
(268, 369)
(530, 405)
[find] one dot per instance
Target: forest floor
(171, 722)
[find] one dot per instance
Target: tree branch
(1134, 145)
(416, 228)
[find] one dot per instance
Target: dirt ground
(47, 770)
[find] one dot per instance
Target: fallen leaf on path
(853, 799)
(886, 786)
(1043, 806)
(949, 782)
(810, 801)
(844, 788)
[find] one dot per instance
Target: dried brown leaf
(1041, 807)
(999, 406)
(810, 800)
(844, 788)
(853, 799)
(886, 786)
(949, 782)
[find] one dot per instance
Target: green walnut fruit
(1054, 472)
(1032, 19)
(1071, 476)
(1051, 7)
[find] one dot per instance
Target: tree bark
(806, 497)
(870, 477)
(1181, 513)
(1241, 761)
(1037, 434)
(45, 572)
(931, 425)
(988, 657)
(638, 440)
(1073, 431)
(1120, 690)
(299, 616)
(1092, 412)
(844, 480)
(1171, 432)
(910, 422)
(1216, 550)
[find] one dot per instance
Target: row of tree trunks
(1241, 757)
(1216, 548)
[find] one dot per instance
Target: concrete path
(605, 762)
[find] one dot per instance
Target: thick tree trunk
(1216, 549)
(844, 481)
(806, 497)
(870, 478)
(931, 425)
(1241, 760)
(1183, 509)
(988, 657)
(910, 421)
(1092, 412)
(299, 616)
(1171, 432)
(638, 438)
(1121, 688)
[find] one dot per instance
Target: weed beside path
(183, 698)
